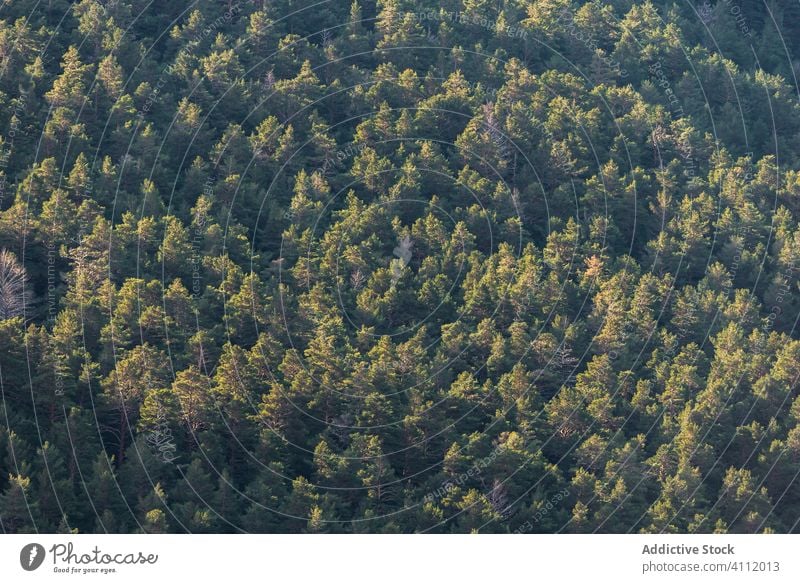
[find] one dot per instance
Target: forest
(399, 266)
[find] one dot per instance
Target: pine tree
(15, 291)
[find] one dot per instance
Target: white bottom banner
(406, 558)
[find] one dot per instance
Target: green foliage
(268, 267)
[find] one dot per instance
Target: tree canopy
(399, 266)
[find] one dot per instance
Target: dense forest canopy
(399, 266)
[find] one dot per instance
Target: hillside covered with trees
(393, 266)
